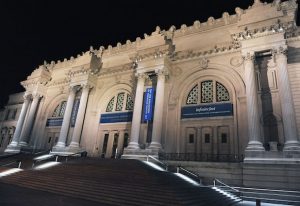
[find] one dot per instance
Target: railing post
(214, 183)
(56, 158)
(19, 166)
(147, 158)
(177, 169)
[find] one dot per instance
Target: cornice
(226, 48)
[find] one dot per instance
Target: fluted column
(158, 110)
(67, 117)
(287, 105)
(80, 116)
(137, 112)
(254, 143)
(20, 122)
(30, 120)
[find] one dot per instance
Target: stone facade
(228, 86)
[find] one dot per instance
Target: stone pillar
(158, 110)
(254, 143)
(287, 105)
(80, 116)
(66, 121)
(30, 120)
(137, 112)
(20, 123)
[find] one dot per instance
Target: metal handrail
(70, 155)
(257, 192)
(35, 161)
(10, 163)
(157, 160)
(189, 172)
(216, 180)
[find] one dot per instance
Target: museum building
(225, 88)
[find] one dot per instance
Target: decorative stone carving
(176, 71)
(197, 24)
(236, 61)
(238, 12)
(226, 17)
(211, 21)
(248, 57)
(173, 100)
(203, 63)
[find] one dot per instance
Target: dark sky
(36, 30)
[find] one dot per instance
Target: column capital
(86, 86)
(26, 96)
(249, 56)
(282, 50)
(161, 72)
(141, 75)
(36, 95)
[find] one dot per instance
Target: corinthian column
(30, 120)
(254, 143)
(287, 105)
(66, 121)
(158, 110)
(80, 116)
(137, 112)
(20, 124)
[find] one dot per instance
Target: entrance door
(191, 140)
(115, 145)
(104, 147)
(207, 141)
(223, 140)
(52, 138)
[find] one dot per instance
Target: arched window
(208, 91)
(60, 109)
(120, 102)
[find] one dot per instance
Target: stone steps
(117, 182)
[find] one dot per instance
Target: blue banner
(148, 104)
(54, 122)
(74, 112)
(116, 117)
(212, 110)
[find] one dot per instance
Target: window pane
(192, 97)
(120, 101)
(56, 111)
(110, 105)
(129, 103)
(207, 91)
(62, 108)
(222, 93)
(207, 138)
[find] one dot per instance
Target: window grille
(120, 101)
(222, 93)
(110, 105)
(192, 97)
(207, 91)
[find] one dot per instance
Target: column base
(155, 146)
(132, 146)
(60, 145)
(140, 154)
(74, 145)
(13, 147)
(254, 146)
(291, 146)
(23, 144)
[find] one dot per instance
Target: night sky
(36, 30)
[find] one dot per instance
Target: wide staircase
(117, 182)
